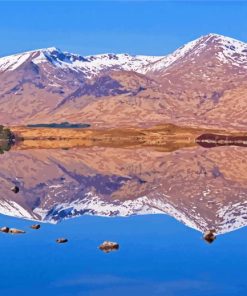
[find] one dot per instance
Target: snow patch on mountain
(11, 63)
(168, 60)
(232, 217)
(13, 209)
(97, 63)
(88, 65)
(93, 65)
(94, 205)
(232, 51)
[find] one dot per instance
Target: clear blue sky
(140, 27)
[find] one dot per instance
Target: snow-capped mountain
(201, 83)
(226, 50)
(90, 66)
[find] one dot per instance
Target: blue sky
(136, 27)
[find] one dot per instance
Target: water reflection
(215, 140)
(203, 188)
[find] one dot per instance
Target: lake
(157, 205)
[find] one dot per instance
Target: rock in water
(35, 226)
(109, 246)
(61, 240)
(4, 229)
(209, 236)
(16, 231)
(15, 189)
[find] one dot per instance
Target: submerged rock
(11, 230)
(15, 189)
(16, 231)
(209, 236)
(35, 226)
(4, 229)
(61, 240)
(109, 246)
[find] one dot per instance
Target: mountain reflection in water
(203, 188)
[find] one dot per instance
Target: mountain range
(203, 83)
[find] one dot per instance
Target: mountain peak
(214, 35)
(225, 49)
(224, 41)
(50, 49)
(45, 49)
(12, 62)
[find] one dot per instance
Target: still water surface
(155, 204)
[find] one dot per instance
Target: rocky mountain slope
(202, 83)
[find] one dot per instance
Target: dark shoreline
(215, 140)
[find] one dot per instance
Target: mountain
(202, 188)
(202, 83)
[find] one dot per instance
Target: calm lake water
(155, 204)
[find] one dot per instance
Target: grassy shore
(167, 137)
